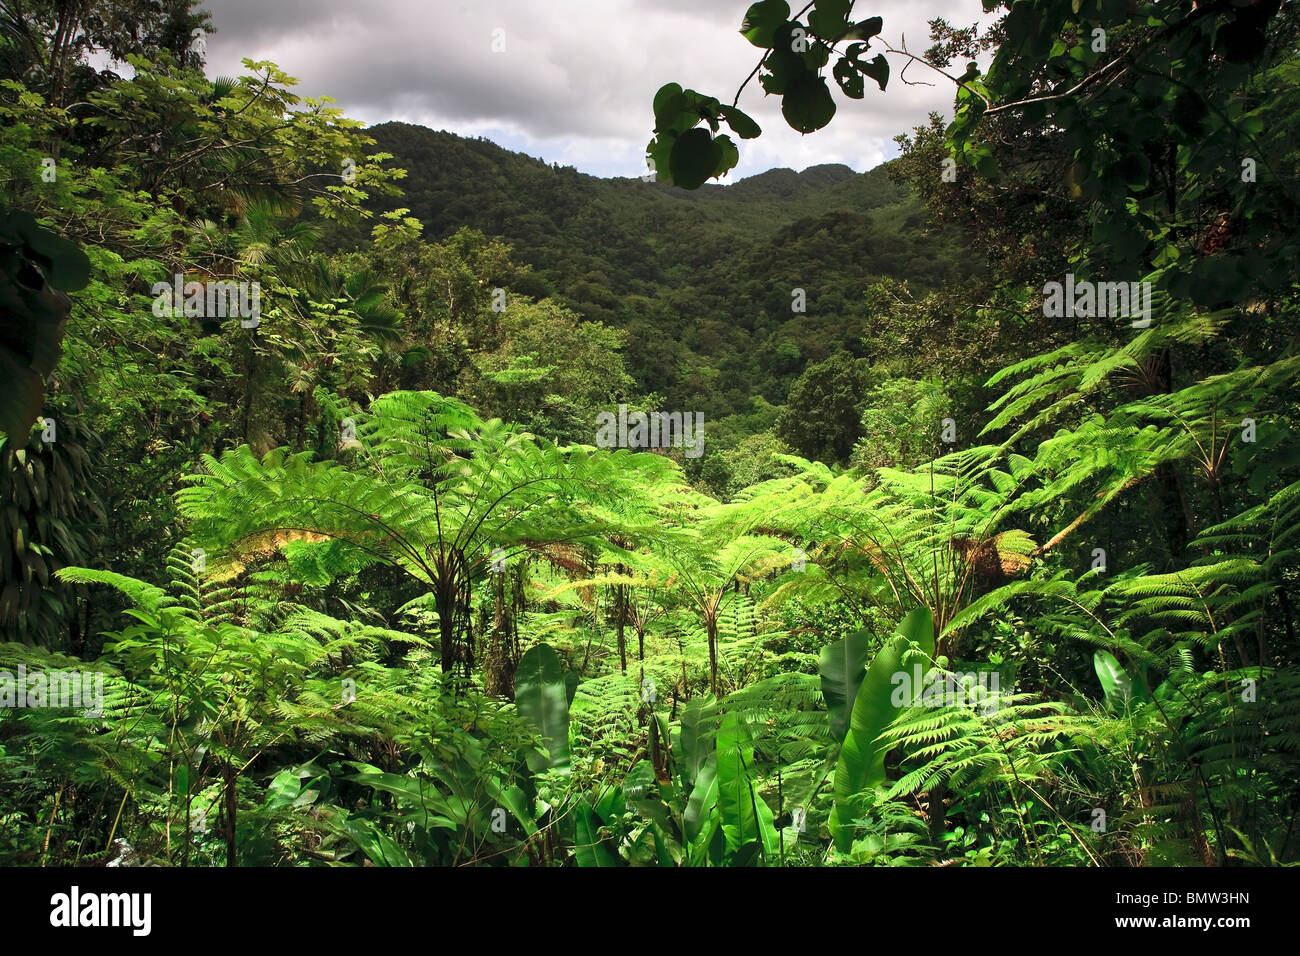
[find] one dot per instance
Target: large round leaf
(740, 122)
(848, 77)
(694, 158)
(763, 19)
(668, 103)
(807, 104)
(829, 19)
(877, 69)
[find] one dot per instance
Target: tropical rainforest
(983, 551)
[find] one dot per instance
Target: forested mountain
(688, 274)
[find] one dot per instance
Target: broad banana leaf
(744, 815)
(843, 665)
(703, 800)
(541, 696)
(862, 759)
(698, 733)
(1121, 690)
(588, 848)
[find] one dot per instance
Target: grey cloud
(576, 78)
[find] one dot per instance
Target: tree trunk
(232, 806)
(444, 600)
(711, 623)
(620, 614)
(936, 813)
(498, 674)
(302, 421)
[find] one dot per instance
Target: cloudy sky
(575, 81)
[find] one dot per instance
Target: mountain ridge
(701, 282)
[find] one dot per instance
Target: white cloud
(576, 80)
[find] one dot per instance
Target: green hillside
(687, 274)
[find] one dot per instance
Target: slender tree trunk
(444, 600)
(1285, 603)
(61, 51)
(620, 613)
(681, 651)
(936, 813)
(498, 674)
(302, 420)
(1173, 493)
(1174, 504)
(232, 806)
(711, 623)
(248, 393)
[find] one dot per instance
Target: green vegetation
(348, 577)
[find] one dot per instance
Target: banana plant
(843, 665)
(542, 697)
(875, 705)
(707, 812)
(745, 819)
(1122, 690)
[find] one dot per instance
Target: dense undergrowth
(359, 585)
